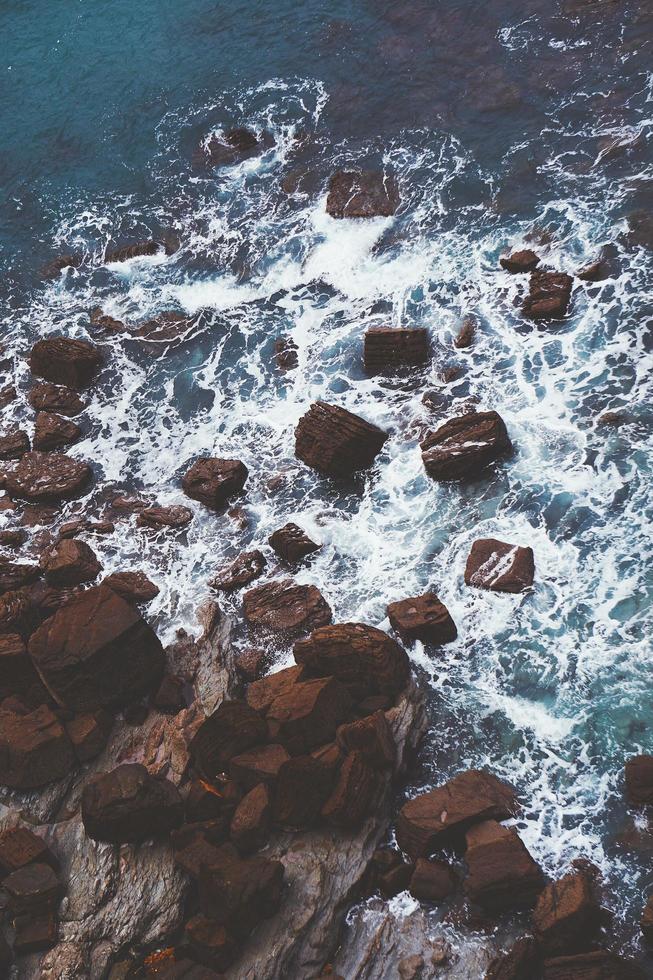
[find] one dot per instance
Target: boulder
(14, 445)
(17, 672)
(35, 932)
(356, 788)
(48, 477)
(520, 962)
(138, 250)
(499, 567)
(372, 737)
(292, 544)
(55, 267)
(107, 324)
(260, 694)
(169, 697)
(639, 780)
(69, 562)
(464, 446)
(156, 518)
(285, 606)
(65, 361)
(251, 663)
(308, 714)
(388, 348)
(393, 880)
(239, 892)
(567, 917)
(362, 194)
(441, 817)
(34, 749)
(233, 728)
(89, 733)
(226, 148)
(15, 575)
(240, 572)
(422, 618)
(214, 481)
(597, 965)
(467, 332)
(432, 881)
(646, 921)
(302, 788)
(548, 297)
(594, 272)
(20, 847)
(32, 887)
(97, 651)
(210, 944)
(333, 441)
(53, 431)
(128, 805)
(132, 586)
(523, 261)
(47, 397)
(260, 764)
(13, 538)
(363, 658)
(501, 874)
(250, 824)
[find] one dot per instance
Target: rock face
(365, 659)
(567, 916)
(422, 618)
(639, 780)
(388, 348)
(48, 477)
(464, 446)
(52, 431)
(97, 651)
(362, 194)
(334, 441)
(243, 570)
(499, 566)
(501, 874)
(34, 749)
(70, 562)
(548, 297)
(47, 397)
(282, 605)
(214, 481)
(14, 445)
(65, 361)
(128, 805)
(292, 544)
(523, 261)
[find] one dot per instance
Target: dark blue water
(506, 126)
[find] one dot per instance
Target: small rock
(8, 394)
(53, 431)
(69, 562)
(157, 518)
(422, 618)
(250, 825)
(230, 147)
(292, 544)
(244, 569)
(500, 567)
(464, 446)
(48, 477)
(334, 441)
(214, 481)
(210, 944)
(14, 445)
(20, 847)
(285, 353)
(524, 261)
(101, 321)
(283, 605)
(132, 586)
(432, 881)
(388, 348)
(128, 805)
(47, 397)
(467, 332)
(548, 297)
(65, 361)
(362, 194)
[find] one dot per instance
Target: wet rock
(66, 361)
(14, 575)
(500, 567)
(169, 696)
(308, 713)
(362, 194)
(467, 332)
(240, 572)
(464, 446)
(594, 272)
(441, 817)
(32, 887)
(20, 847)
(285, 606)
(227, 148)
(356, 788)
(250, 825)
(432, 881)
(157, 518)
(53, 431)
(239, 893)
(251, 663)
(34, 749)
(285, 353)
(56, 266)
(365, 659)
(214, 481)
(137, 250)
(394, 878)
(8, 394)
(292, 544)
(567, 917)
(646, 921)
(520, 962)
(388, 348)
(47, 397)
(501, 874)
(97, 651)
(262, 693)
(164, 328)
(233, 728)
(132, 586)
(333, 441)
(128, 805)
(69, 562)
(548, 297)
(13, 538)
(209, 943)
(128, 505)
(371, 736)
(89, 733)
(422, 618)
(48, 477)
(108, 324)
(639, 780)
(14, 445)
(523, 261)
(258, 765)
(598, 965)
(301, 790)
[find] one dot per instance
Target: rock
(639, 780)
(334, 441)
(292, 544)
(239, 893)
(17, 673)
(393, 880)
(251, 663)
(464, 446)
(184, 969)
(132, 586)
(47, 397)
(594, 272)
(410, 967)
(35, 933)
(283, 605)
(34, 749)
(362, 194)
(53, 431)
(441, 817)
(387, 348)
(240, 572)
(548, 297)
(308, 714)
(598, 965)
(467, 332)
(55, 267)
(8, 394)
(20, 847)
(169, 697)
(32, 887)
(646, 921)
(262, 693)
(227, 148)
(233, 728)
(210, 943)
(69, 562)
(356, 788)
(65, 361)
(13, 538)
(14, 445)
(371, 736)
(176, 516)
(137, 250)
(521, 962)
(89, 733)
(499, 567)
(128, 805)
(18, 616)
(285, 353)
(14, 575)
(250, 825)
(260, 764)
(211, 801)
(363, 658)
(524, 261)
(101, 321)
(164, 328)
(567, 917)
(97, 651)
(302, 788)
(48, 477)
(422, 618)
(501, 874)
(214, 481)
(432, 881)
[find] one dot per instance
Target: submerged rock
(464, 446)
(388, 348)
(102, 321)
(334, 441)
(227, 148)
(48, 477)
(66, 361)
(467, 332)
(55, 267)
(362, 194)
(500, 567)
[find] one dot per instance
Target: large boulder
(46, 397)
(53, 431)
(432, 881)
(334, 441)
(285, 606)
(214, 481)
(363, 658)
(422, 618)
(65, 361)
(48, 477)
(567, 916)
(34, 748)
(128, 805)
(238, 893)
(639, 780)
(241, 571)
(362, 194)
(464, 446)
(548, 296)
(97, 651)
(501, 874)
(233, 728)
(499, 567)
(69, 562)
(389, 348)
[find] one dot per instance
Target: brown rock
(464, 446)
(262, 693)
(501, 874)
(17, 673)
(53, 431)
(302, 788)
(48, 477)
(55, 267)
(334, 441)
(499, 567)
(353, 794)
(175, 516)
(239, 892)
(101, 321)
(128, 805)
(211, 801)
(164, 328)
(395, 880)
(292, 544)
(47, 397)
(548, 297)
(232, 729)
(372, 737)
(639, 780)
(227, 148)
(214, 481)
(69, 562)
(14, 445)
(646, 921)
(598, 965)
(282, 605)
(285, 353)
(89, 733)
(65, 361)
(246, 567)
(594, 272)
(258, 765)
(524, 261)
(210, 943)
(31, 888)
(251, 663)
(14, 575)
(432, 881)
(567, 917)
(20, 847)
(308, 714)
(422, 618)
(132, 586)
(137, 250)
(169, 696)
(34, 749)
(362, 194)
(250, 825)
(520, 962)
(8, 394)
(34, 933)
(13, 538)
(467, 332)
(387, 348)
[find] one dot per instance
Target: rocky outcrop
(422, 618)
(548, 297)
(66, 361)
(213, 481)
(100, 320)
(362, 194)
(292, 544)
(55, 267)
(52, 431)
(464, 446)
(500, 567)
(284, 606)
(334, 441)
(389, 348)
(48, 477)
(518, 262)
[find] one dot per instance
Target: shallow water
(505, 126)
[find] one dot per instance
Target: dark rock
(17, 672)
(32, 887)
(501, 874)
(128, 505)
(35, 933)
(53, 431)
(65, 361)
(548, 297)
(351, 799)
(69, 562)
(646, 921)
(598, 965)
(13, 538)
(302, 788)
(214, 481)
(499, 567)
(56, 266)
(260, 764)
(14, 575)
(250, 825)
(20, 847)
(210, 943)
(240, 572)
(594, 272)
(334, 441)
(285, 353)
(308, 713)
(137, 250)
(292, 544)
(464, 446)
(639, 780)
(14, 445)
(48, 477)
(251, 663)
(232, 729)
(362, 194)
(175, 516)
(395, 880)
(422, 618)
(18, 615)
(524, 261)
(262, 693)
(239, 892)
(136, 714)
(363, 658)
(169, 697)
(132, 586)
(372, 737)
(128, 805)
(164, 328)
(387, 348)
(47, 397)
(432, 881)
(282, 605)
(89, 733)
(70, 529)
(8, 394)
(34, 749)
(185, 969)
(101, 321)
(521, 962)
(467, 332)
(230, 147)
(567, 917)
(211, 801)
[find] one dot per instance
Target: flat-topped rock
(48, 477)
(548, 297)
(34, 749)
(500, 567)
(47, 397)
(292, 544)
(363, 658)
(285, 606)
(69, 562)
(464, 446)
(336, 442)
(66, 361)
(518, 262)
(53, 431)
(422, 618)
(213, 481)
(567, 917)
(176, 516)
(501, 874)
(389, 348)
(128, 805)
(244, 569)
(132, 586)
(362, 194)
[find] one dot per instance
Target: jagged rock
(250, 825)
(101, 321)
(548, 297)
(567, 916)
(598, 965)
(240, 572)
(14, 445)
(69, 562)
(371, 736)
(523, 261)
(20, 847)
(441, 817)
(210, 943)
(363, 658)
(302, 788)
(132, 586)
(500, 567)
(467, 332)
(128, 805)
(292, 544)
(639, 780)
(464, 446)
(166, 327)
(53, 431)
(356, 788)
(213, 481)
(14, 575)
(387, 348)
(169, 696)
(239, 893)
(97, 651)
(175, 516)
(432, 881)
(34, 749)
(32, 887)
(137, 250)
(501, 874)
(334, 441)
(285, 353)
(226, 148)
(233, 728)
(89, 733)
(258, 765)
(262, 693)
(47, 397)
(55, 267)
(65, 361)
(308, 713)
(423, 618)
(646, 921)
(283, 605)
(362, 194)
(48, 477)
(520, 962)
